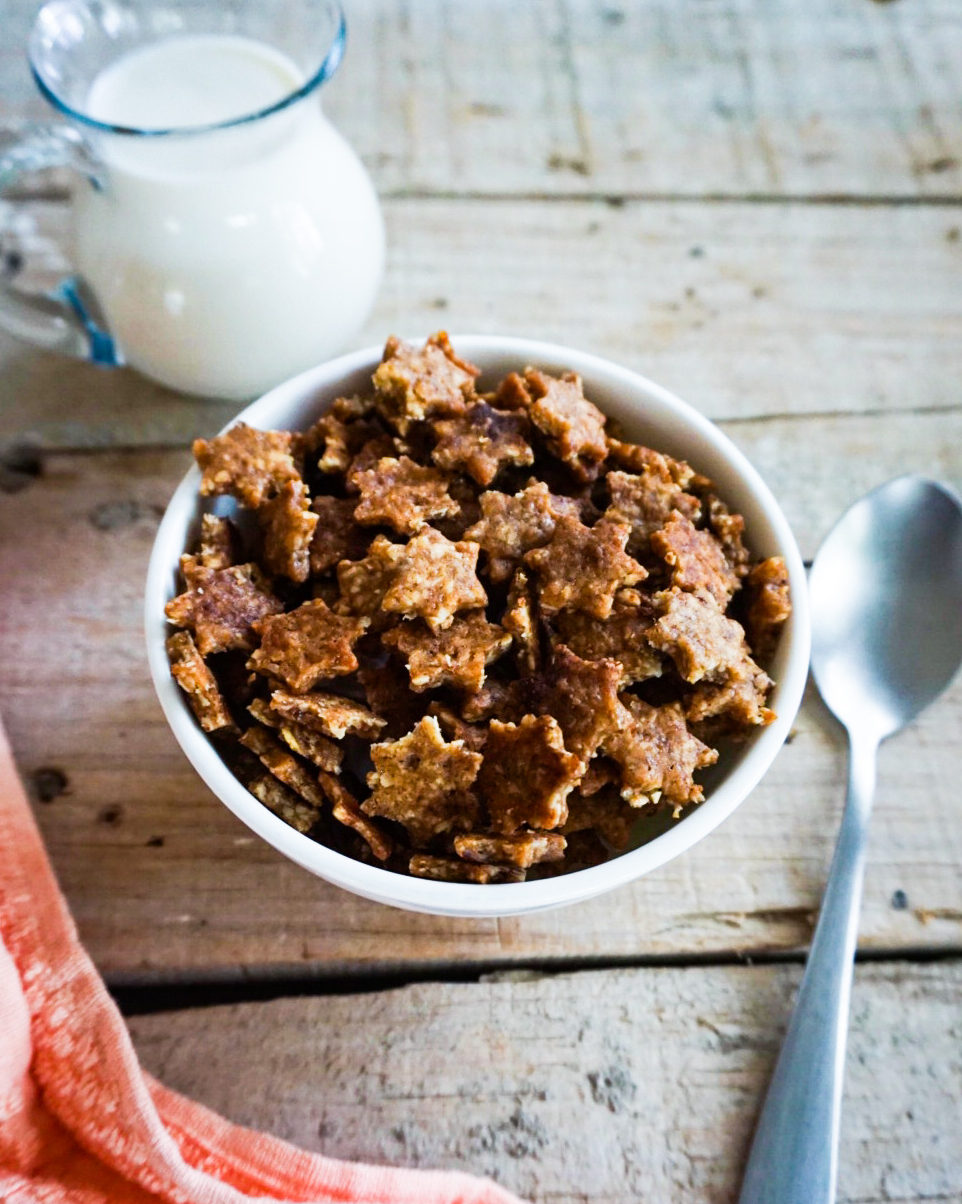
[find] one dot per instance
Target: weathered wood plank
(745, 310)
(164, 881)
(613, 1086)
(672, 97)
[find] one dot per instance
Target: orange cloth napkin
(81, 1122)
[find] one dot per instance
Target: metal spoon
(886, 595)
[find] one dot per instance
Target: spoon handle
(794, 1156)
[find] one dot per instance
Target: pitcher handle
(66, 319)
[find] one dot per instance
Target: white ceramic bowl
(648, 414)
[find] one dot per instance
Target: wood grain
(669, 98)
(165, 882)
(747, 311)
(616, 1086)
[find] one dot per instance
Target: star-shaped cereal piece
(363, 583)
(511, 525)
(336, 536)
(411, 384)
(345, 809)
(737, 702)
(305, 741)
(522, 850)
(728, 529)
(635, 458)
(216, 546)
(435, 579)
(606, 813)
(222, 606)
(453, 869)
(620, 637)
(480, 440)
(769, 605)
(287, 527)
(329, 714)
(250, 464)
(583, 695)
(520, 619)
(194, 677)
(527, 774)
(402, 494)
(658, 755)
(696, 559)
(646, 501)
(338, 435)
(424, 783)
(573, 426)
(698, 637)
(290, 807)
(456, 656)
(306, 645)
(583, 567)
(278, 761)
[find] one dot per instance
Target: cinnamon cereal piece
(455, 728)
(306, 645)
(192, 674)
(449, 869)
(769, 605)
(635, 458)
(607, 814)
(435, 579)
(620, 637)
(330, 714)
(657, 754)
(287, 525)
(495, 700)
(696, 635)
(696, 559)
(378, 447)
(739, 699)
(336, 536)
(527, 774)
(456, 656)
(282, 765)
(215, 548)
(345, 809)
(299, 815)
(402, 495)
(480, 440)
(583, 696)
(728, 529)
(222, 606)
(512, 393)
(574, 427)
(411, 384)
(520, 620)
(512, 525)
(363, 583)
(314, 747)
(523, 851)
(583, 567)
(252, 465)
(646, 501)
(424, 783)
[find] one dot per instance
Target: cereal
(252, 465)
(583, 567)
(527, 774)
(198, 683)
(480, 440)
(402, 495)
(424, 783)
(306, 645)
(454, 675)
(456, 656)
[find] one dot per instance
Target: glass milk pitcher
(225, 236)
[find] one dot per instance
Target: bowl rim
(471, 900)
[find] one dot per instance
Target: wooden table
(755, 203)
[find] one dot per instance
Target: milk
(225, 260)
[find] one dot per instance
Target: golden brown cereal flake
(378, 447)
(306, 645)
(520, 620)
(698, 637)
(658, 755)
(336, 536)
(728, 529)
(215, 549)
(646, 501)
(496, 700)
(411, 384)
(329, 714)
(522, 851)
(250, 464)
(455, 728)
(739, 700)
(222, 606)
(402, 495)
(769, 605)
(456, 656)
(363, 583)
(345, 809)
(620, 637)
(527, 774)
(287, 769)
(294, 811)
(480, 440)
(512, 393)
(424, 783)
(605, 813)
(450, 869)
(583, 567)
(435, 579)
(306, 742)
(287, 526)
(511, 525)
(696, 559)
(192, 674)
(635, 458)
(574, 427)
(583, 695)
